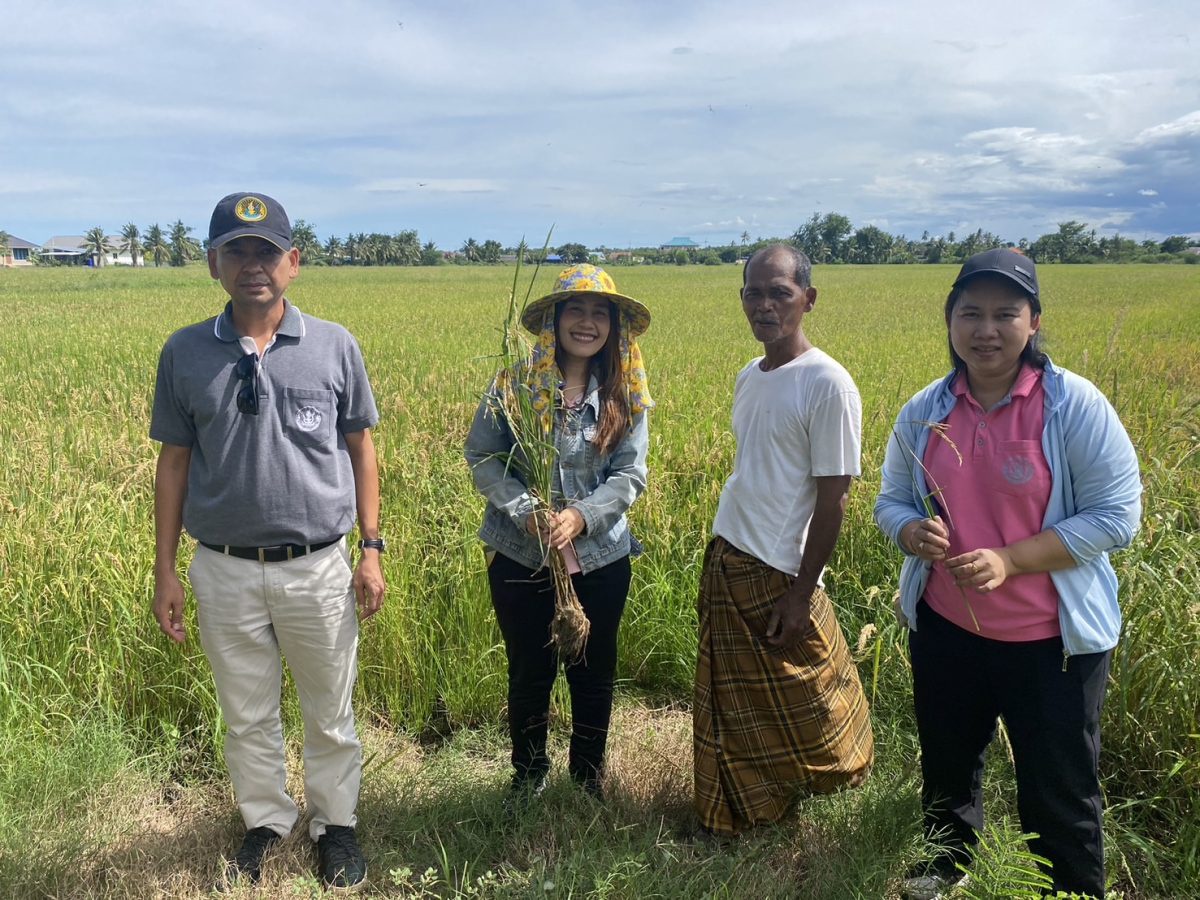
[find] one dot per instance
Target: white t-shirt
(792, 424)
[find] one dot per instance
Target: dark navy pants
(524, 604)
(961, 684)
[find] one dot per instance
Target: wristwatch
(373, 544)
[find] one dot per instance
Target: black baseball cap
(1002, 261)
(245, 213)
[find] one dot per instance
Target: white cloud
(1184, 126)
(1148, 192)
(1050, 152)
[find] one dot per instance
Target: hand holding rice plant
(930, 538)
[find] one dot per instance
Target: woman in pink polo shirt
(1006, 484)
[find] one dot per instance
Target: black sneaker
(246, 865)
(341, 862)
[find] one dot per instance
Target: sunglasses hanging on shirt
(247, 395)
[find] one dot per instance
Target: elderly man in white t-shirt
(779, 710)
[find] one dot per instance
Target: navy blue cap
(256, 215)
(1002, 261)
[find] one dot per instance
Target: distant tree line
(832, 239)
(827, 239)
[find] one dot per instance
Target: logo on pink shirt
(1017, 469)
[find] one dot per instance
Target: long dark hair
(614, 398)
(1032, 354)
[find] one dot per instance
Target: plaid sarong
(769, 726)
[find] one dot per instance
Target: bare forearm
(170, 490)
(985, 569)
(791, 616)
(1044, 552)
(365, 463)
(369, 583)
(823, 531)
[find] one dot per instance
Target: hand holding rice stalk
(534, 455)
(934, 499)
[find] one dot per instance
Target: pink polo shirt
(997, 496)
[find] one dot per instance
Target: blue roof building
(679, 243)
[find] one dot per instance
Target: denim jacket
(1095, 499)
(600, 486)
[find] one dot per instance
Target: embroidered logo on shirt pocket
(308, 418)
(1017, 469)
(1020, 468)
(308, 415)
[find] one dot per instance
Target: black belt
(278, 553)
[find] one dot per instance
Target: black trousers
(1051, 708)
(524, 604)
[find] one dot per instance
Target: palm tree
(5, 247)
(334, 250)
(385, 249)
(304, 239)
(369, 249)
(156, 244)
(407, 248)
(96, 244)
(430, 254)
(471, 250)
(183, 246)
(490, 251)
(132, 242)
(745, 238)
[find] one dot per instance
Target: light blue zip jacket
(601, 486)
(1095, 499)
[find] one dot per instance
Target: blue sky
(618, 123)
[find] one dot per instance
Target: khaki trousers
(250, 613)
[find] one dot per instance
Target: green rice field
(111, 780)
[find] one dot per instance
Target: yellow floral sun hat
(542, 374)
(587, 279)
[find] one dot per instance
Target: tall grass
(77, 359)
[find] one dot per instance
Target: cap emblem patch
(250, 209)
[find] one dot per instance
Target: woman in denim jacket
(589, 360)
(1006, 587)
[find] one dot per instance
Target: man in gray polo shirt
(264, 415)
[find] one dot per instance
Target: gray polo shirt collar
(291, 326)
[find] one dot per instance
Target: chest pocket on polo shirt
(1020, 469)
(308, 416)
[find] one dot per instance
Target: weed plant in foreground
(110, 772)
